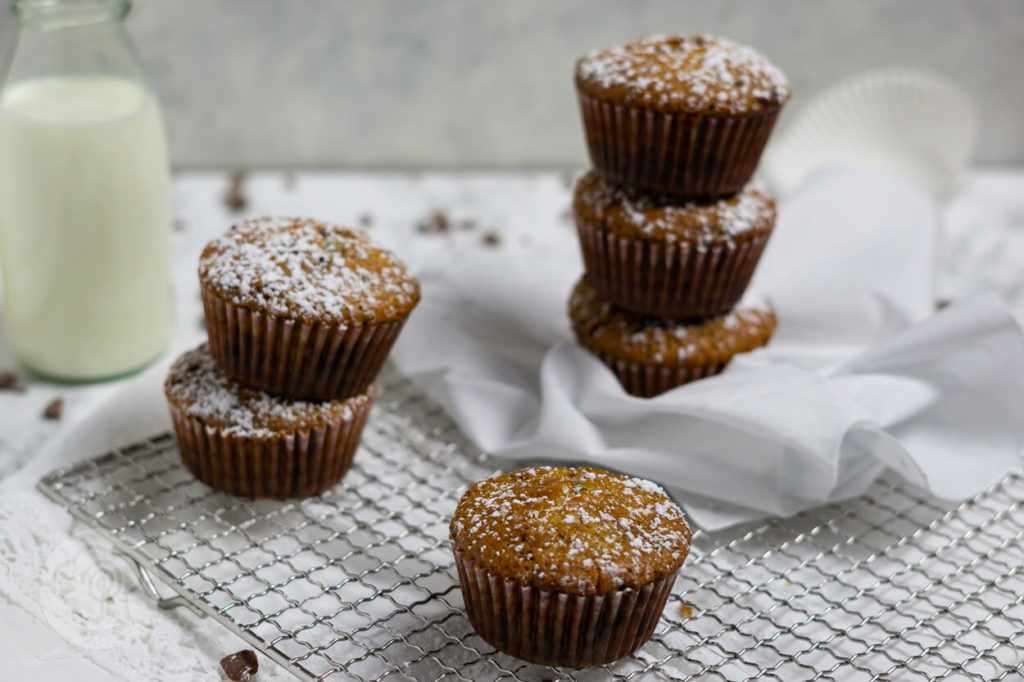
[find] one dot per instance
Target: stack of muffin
(670, 226)
(301, 316)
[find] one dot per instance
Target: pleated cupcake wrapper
(689, 156)
(279, 467)
(294, 359)
(668, 279)
(647, 381)
(555, 628)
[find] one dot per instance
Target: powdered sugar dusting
(306, 268)
(199, 386)
(580, 531)
(751, 210)
(694, 73)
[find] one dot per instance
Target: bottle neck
(60, 38)
(55, 14)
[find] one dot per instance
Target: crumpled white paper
(861, 375)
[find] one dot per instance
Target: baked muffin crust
(580, 531)
(306, 269)
(620, 334)
(198, 386)
(697, 74)
(751, 213)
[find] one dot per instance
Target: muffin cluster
(301, 317)
(670, 225)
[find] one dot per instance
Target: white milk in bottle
(84, 190)
(84, 225)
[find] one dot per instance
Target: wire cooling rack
(359, 583)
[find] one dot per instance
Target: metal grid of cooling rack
(359, 583)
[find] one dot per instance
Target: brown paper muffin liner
(295, 359)
(688, 156)
(668, 279)
(278, 467)
(555, 628)
(647, 381)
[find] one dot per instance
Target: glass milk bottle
(84, 216)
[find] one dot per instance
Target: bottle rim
(70, 12)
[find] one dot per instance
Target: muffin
(249, 443)
(667, 258)
(567, 566)
(301, 308)
(651, 355)
(685, 116)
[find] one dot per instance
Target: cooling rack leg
(150, 588)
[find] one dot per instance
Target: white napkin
(860, 376)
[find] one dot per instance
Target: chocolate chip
(492, 238)
(942, 303)
(9, 381)
(240, 666)
(434, 223)
(235, 199)
(55, 410)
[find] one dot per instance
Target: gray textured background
(472, 83)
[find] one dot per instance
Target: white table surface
(984, 248)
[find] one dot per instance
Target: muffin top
(197, 385)
(574, 530)
(677, 74)
(751, 213)
(660, 341)
(306, 269)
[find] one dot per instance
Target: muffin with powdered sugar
(651, 355)
(249, 443)
(567, 566)
(303, 308)
(686, 116)
(666, 257)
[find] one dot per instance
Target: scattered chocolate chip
(434, 223)
(492, 238)
(55, 410)
(240, 666)
(289, 180)
(942, 303)
(9, 381)
(235, 199)
(366, 220)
